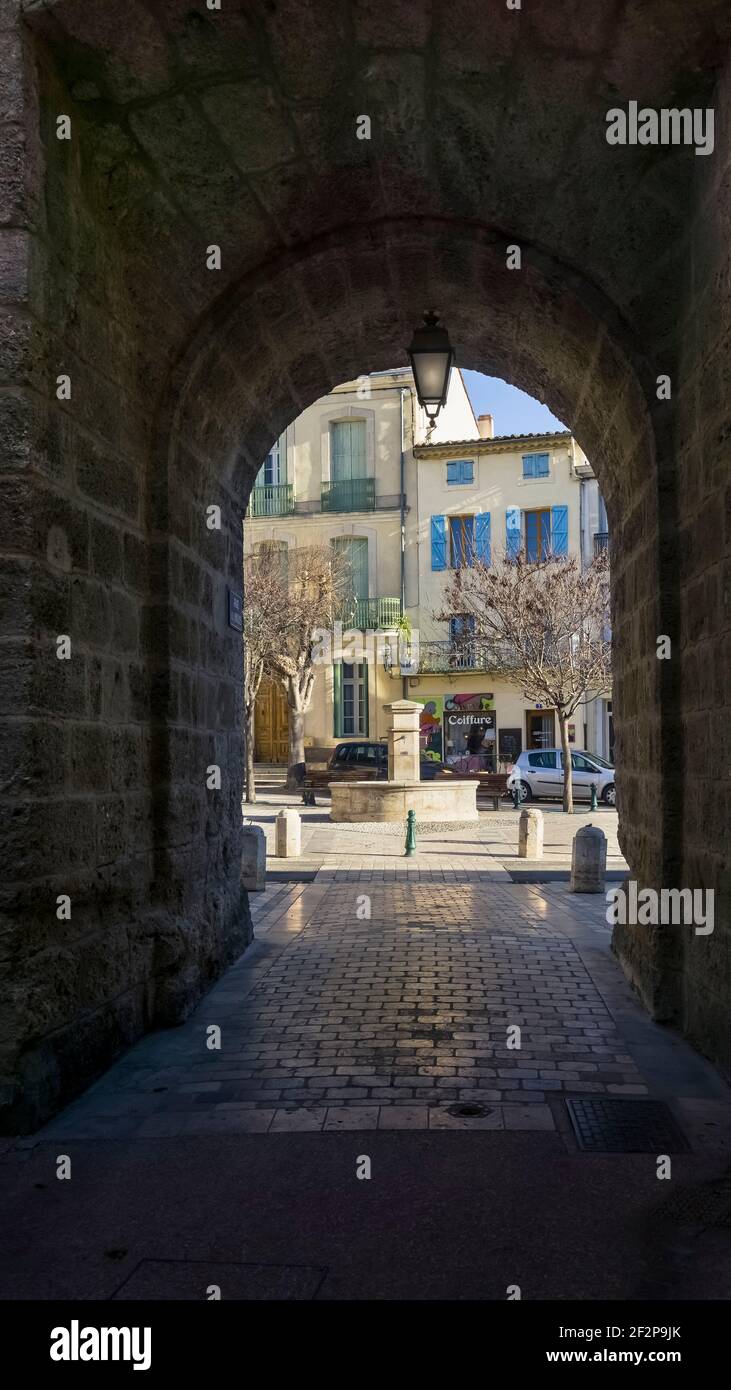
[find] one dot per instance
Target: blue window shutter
(438, 543)
(512, 532)
(560, 530)
(460, 471)
(536, 465)
(482, 537)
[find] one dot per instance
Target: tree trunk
(250, 794)
(568, 791)
(296, 767)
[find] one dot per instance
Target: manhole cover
(468, 1112)
(625, 1126)
(699, 1206)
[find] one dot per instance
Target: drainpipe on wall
(405, 391)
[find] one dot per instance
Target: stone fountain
(435, 801)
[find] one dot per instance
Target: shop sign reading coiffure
(463, 711)
(486, 719)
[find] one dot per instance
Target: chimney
(486, 426)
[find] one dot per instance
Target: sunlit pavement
(368, 1016)
(466, 852)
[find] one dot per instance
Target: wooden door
(271, 741)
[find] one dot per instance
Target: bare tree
(263, 601)
(317, 582)
(546, 628)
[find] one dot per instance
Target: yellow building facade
(363, 470)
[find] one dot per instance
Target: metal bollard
(410, 847)
(594, 802)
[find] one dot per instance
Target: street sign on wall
(235, 610)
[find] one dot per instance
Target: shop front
(460, 730)
(484, 730)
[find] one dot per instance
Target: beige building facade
(362, 469)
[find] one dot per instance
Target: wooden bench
(317, 773)
(491, 786)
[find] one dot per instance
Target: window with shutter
(512, 532)
(350, 699)
(482, 538)
(439, 543)
(462, 541)
(537, 535)
(460, 471)
(355, 551)
(348, 447)
(535, 465)
(560, 530)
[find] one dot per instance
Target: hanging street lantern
(432, 357)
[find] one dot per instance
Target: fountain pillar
(403, 741)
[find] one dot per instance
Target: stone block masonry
(182, 376)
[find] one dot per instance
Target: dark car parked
(362, 757)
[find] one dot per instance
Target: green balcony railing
(349, 495)
(272, 499)
(364, 613)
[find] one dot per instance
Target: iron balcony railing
(601, 542)
(349, 495)
(272, 499)
(461, 656)
(373, 613)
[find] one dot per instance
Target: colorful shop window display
(430, 728)
(469, 732)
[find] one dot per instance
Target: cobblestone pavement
(335, 1019)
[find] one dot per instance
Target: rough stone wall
(87, 804)
(684, 976)
(695, 969)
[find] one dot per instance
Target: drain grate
(625, 1126)
(467, 1111)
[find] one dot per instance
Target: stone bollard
(588, 860)
(288, 834)
(530, 834)
(253, 859)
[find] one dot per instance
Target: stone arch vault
(237, 129)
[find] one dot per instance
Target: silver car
(539, 773)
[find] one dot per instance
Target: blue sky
(514, 412)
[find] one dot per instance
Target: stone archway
(181, 377)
